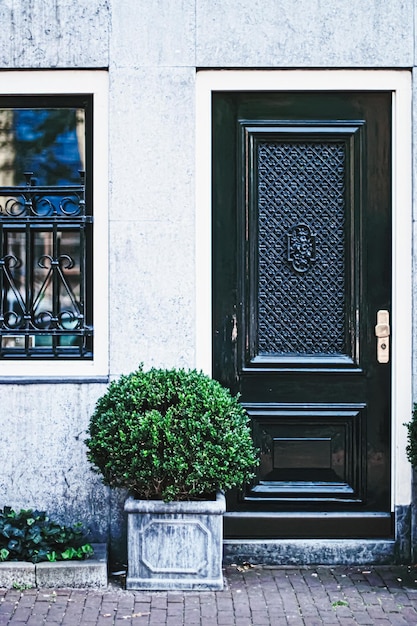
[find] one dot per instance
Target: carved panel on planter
(166, 546)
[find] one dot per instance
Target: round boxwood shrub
(171, 435)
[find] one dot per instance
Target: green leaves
(77, 553)
(170, 434)
(4, 554)
(31, 536)
(412, 438)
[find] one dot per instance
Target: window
(50, 293)
(45, 228)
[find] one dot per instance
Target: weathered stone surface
(152, 229)
(52, 34)
(310, 551)
(152, 135)
(314, 33)
(13, 574)
(43, 456)
(175, 545)
(89, 573)
(159, 34)
(72, 574)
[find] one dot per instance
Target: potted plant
(176, 440)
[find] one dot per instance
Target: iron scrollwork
(301, 299)
(301, 247)
(44, 236)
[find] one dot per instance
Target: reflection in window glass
(48, 142)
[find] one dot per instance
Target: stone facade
(152, 51)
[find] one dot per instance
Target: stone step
(91, 572)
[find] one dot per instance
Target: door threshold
(296, 552)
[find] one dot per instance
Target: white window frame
(70, 82)
(399, 83)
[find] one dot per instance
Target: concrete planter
(175, 545)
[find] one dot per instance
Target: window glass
(48, 142)
(45, 233)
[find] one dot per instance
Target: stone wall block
(44, 463)
(152, 138)
(153, 321)
(53, 33)
(309, 33)
(157, 33)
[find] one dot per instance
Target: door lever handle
(382, 333)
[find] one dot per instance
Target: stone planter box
(73, 574)
(175, 545)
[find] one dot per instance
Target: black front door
(301, 271)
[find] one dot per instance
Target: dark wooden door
(301, 267)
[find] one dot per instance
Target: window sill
(47, 380)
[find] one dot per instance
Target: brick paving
(253, 596)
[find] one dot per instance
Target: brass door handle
(382, 333)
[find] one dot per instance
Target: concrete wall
(152, 49)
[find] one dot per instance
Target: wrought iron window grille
(45, 274)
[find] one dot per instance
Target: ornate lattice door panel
(302, 264)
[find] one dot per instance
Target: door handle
(382, 334)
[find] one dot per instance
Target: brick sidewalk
(305, 596)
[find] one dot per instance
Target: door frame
(399, 83)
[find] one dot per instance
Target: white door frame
(399, 83)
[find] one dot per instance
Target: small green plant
(412, 438)
(171, 435)
(21, 586)
(339, 603)
(30, 535)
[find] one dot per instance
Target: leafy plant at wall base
(171, 435)
(412, 438)
(29, 535)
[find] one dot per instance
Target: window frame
(61, 83)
